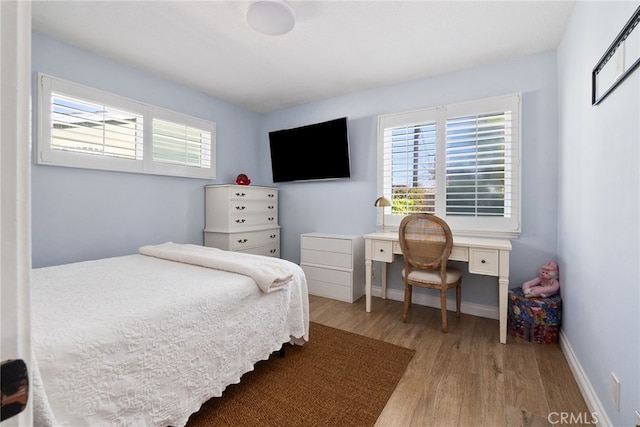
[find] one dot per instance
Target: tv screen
(312, 152)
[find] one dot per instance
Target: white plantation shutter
(460, 162)
(181, 143)
(410, 167)
(479, 166)
(83, 127)
(87, 127)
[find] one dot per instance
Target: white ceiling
(336, 47)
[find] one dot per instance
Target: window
(87, 128)
(460, 162)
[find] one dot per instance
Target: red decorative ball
(243, 179)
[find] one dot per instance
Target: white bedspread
(141, 341)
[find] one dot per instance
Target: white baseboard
(479, 310)
(588, 393)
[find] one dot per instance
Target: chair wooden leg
(443, 307)
(458, 295)
(407, 302)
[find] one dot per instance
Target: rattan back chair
(426, 243)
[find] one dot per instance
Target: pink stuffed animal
(546, 284)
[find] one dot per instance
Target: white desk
(486, 256)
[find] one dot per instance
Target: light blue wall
(80, 214)
(346, 206)
(77, 214)
(599, 210)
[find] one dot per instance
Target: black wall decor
(618, 62)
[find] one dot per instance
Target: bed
(145, 339)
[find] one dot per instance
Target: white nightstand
(334, 265)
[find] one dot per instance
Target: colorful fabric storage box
(533, 318)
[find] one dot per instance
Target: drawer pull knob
(270, 218)
(270, 207)
(242, 241)
(273, 251)
(240, 221)
(273, 236)
(381, 250)
(483, 261)
(271, 195)
(240, 208)
(240, 194)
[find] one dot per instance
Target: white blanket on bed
(141, 341)
(269, 273)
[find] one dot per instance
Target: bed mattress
(137, 340)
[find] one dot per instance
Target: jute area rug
(336, 379)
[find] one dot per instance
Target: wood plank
(464, 377)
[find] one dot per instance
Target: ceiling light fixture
(271, 17)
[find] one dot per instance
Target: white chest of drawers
(333, 265)
(242, 218)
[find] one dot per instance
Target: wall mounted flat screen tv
(313, 152)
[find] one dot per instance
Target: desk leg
(503, 284)
(367, 288)
(503, 288)
(383, 280)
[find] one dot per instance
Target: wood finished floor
(464, 377)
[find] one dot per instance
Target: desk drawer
(382, 250)
(459, 254)
(483, 261)
(397, 249)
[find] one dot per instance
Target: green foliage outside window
(407, 200)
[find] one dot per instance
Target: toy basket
(535, 319)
